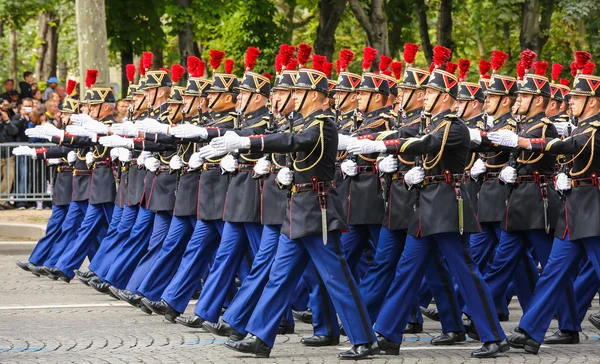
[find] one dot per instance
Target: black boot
(133, 299)
(521, 340)
(318, 340)
(562, 337)
(158, 307)
(37, 270)
(430, 313)
(285, 330)
(99, 286)
(471, 329)
(449, 338)
(491, 349)
(252, 345)
(358, 352)
(595, 320)
(194, 321)
(25, 266)
(57, 274)
(303, 316)
(413, 328)
(114, 292)
(88, 274)
(219, 328)
(387, 347)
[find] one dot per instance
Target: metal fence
(23, 178)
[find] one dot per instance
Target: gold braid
(438, 157)
(319, 141)
(592, 147)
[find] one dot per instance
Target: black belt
(210, 166)
(102, 164)
(399, 176)
(163, 168)
(312, 186)
(444, 178)
(584, 182)
(245, 167)
(60, 169)
(491, 176)
(366, 169)
(82, 172)
(534, 178)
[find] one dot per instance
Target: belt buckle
(294, 189)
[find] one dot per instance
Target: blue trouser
(324, 318)
(414, 262)
(162, 221)
(198, 254)
(107, 243)
(132, 250)
(236, 240)
(586, 286)
(300, 300)
(53, 229)
(358, 239)
(240, 309)
(68, 232)
(556, 277)
(512, 254)
(169, 257)
(92, 230)
(21, 186)
(113, 243)
(290, 262)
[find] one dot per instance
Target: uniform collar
(256, 113)
(535, 117)
(220, 114)
(375, 114)
(436, 119)
(589, 120)
(313, 116)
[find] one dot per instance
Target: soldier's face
(175, 112)
(188, 103)
(363, 100)
(297, 95)
(279, 99)
(150, 96)
(577, 104)
(94, 110)
(523, 100)
(429, 99)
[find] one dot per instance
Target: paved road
(43, 321)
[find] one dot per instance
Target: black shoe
(521, 340)
(303, 316)
(87, 274)
(158, 307)
(51, 273)
(595, 320)
(83, 280)
(251, 345)
(114, 292)
(101, 287)
(37, 270)
(133, 299)
(57, 274)
(503, 317)
(563, 337)
(491, 349)
(111, 294)
(194, 321)
(146, 310)
(358, 352)
(320, 340)
(387, 347)
(285, 330)
(449, 338)
(236, 336)
(471, 329)
(196, 295)
(24, 266)
(430, 313)
(342, 331)
(219, 328)
(413, 328)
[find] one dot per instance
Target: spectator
(54, 97)
(22, 121)
(37, 96)
(122, 109)
(60, 91)
(25, 85)
(7, 161)
(52, 83)
(52, 113)
(37, 104)
(9, 86)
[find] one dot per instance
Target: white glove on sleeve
(89, 158)
(176, 163)
(141, 160)
(189, 131)
(208, 152)
(478, 168)
(51, 130)
(37, 133)
(53, 161)
(71, 157)
(114, 153)
(115, 141)
(152, 164)
(475, 135)
(415, 176)
(365, 146)
(349, 168)
(388, 164)
(262, 166)
(343, 141)
(563, 182)
(562, 127)
(196, 161)
(158, 129)
(124, 155)
(508, 175)
(24, 150)
(285, 176)
(229, 164)
(96, 127)
(505, 138)
(230, 142)
(126, 128)
(143, 125)
(81, 119)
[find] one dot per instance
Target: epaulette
(451, 116)
(393, 114)
(480, 125)
(225, 119)
(512, 122)
(546, 121)
(324, 116)
(562, 118)
(595, 124)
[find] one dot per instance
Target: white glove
(24, 150)
(189, 131)
(124, 155)
(208, 152)
(152, 164)
(37, 133)
(196, 161)
(229, 164)
(141, 160)
(81, 119)
(71, 157)
(176, 163)
(475, 135)
(505, 138)
(562, 127)
(126, 129)
(89, 158)
(114, 153)
(142, 125)
(365, 146)
(478, 168)
(53, 161)
(230, 142)
(158, 129)
(349, 168)
(388, 164)
(563, 182)
(285, 176)
(115, 141)
(262, 166)
(415, 176)
(81, 131)
(343, 141)
(50, 130)
(96, 127)
(508, 175)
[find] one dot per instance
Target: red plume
(387, 72)
(520, 70)
(498, 59)
(287, 53)
(278, 63)
(193, 62)
(90, 78)
(229, 66)
(346, 57)
(484, 67)
(564, 82)
(369, 55)
(304, 51)
(556, 70)
(216, 57)
(397, 69)
(486, 76)
(318, 62)
(431, 67)
(327, 67)
(251, 57)
(164, 69)
(528, 57)
(384, 62)
(338, 67)
(71, 86)
(199, 70)
(142, 68)
(574, 69)
(451, 67)
(177, 72)
(582, 57)
(441, 55)
(268, 75)
(410, 52)
(463, 66)
(147, 60)
(292, 65)
(588, 69)
(541, 68)
(129, 72)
